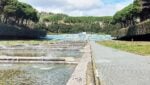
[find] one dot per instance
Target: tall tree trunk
(5, 19)
(121, 25)
(16, 19)
(22, 20)
(130, 22)
(26, 22)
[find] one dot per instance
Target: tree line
(15, 12)
(86, 19)
(12, 11)
(62, 23)
(18, 21)
(81, 19)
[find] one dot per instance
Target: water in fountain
(79, 37)
(35, 74)
(41, 74)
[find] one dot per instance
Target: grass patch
(23, 42)
(142, 48)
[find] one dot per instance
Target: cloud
(79, 7)
(84, 4)
(121, 5)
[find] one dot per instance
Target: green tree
(127, 15)
(9, 11)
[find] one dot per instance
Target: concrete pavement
(120, 68)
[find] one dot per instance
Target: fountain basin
(35, 74)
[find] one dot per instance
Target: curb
(95, 71)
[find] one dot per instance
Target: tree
(34, 16)
(3, 3)
(127, 15)
(95, 28)
(26, 12)
(19, 11)
(9, 11)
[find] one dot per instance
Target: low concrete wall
(80, 73)
(12, 59)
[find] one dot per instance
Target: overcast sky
(80, 7)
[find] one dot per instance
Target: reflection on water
(35, 74)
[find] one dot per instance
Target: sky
(80, 7)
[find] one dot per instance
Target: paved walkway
(121, 68)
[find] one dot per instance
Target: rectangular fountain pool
(35, 74)
(41, 73)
